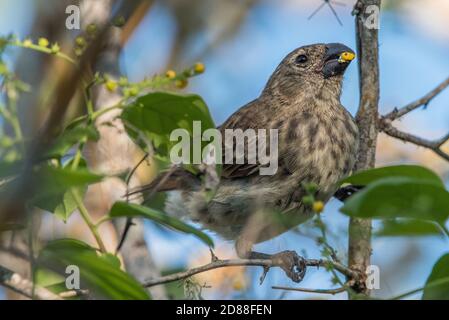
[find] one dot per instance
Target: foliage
(411, 201)
(63, 177)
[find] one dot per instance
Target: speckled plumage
(318, 141)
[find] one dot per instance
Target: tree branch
(424, 101)
(434, 145)
(385, 123)
(359, 246)
(265, 263)
(17, 283)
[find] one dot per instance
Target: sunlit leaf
(70, 137)
(411, 171)
(400, 197)
(157, 114)
(124, 209)
(408, 227)
(437, 284)
(54, 184)
(100, 275)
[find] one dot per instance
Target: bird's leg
(293, 265)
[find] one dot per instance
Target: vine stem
(44, 50)
(86, 217)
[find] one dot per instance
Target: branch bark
(23, 286)
(265, 263)
(359, 248)
(434, 145)
(386, 123)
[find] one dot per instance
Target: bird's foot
(293, 264)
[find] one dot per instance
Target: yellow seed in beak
(346, 57)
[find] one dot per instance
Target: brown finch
(317, 144)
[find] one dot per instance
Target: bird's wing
(249, 116)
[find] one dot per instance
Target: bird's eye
(301, 58)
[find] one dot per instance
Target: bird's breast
(319, 149)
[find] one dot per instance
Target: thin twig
(266, 263)
(129, 221)
(74, 293)
(424, 101)
(131, 173)
(434, 145)
(319, 291)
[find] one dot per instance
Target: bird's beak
(336, 59)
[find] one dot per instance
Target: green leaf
(68, 205)
(46, 278)
(408, 227)
(55, 178)
(123, 209)
(400, 197)
(157, 114)
(99, 274)
(411, 171)
(112, 259)
(70, 137)
(54, 185)
(437, 284)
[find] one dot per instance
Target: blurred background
(241, 42)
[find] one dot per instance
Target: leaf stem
(102, 219)
(100, 112)
(77, 158)
(86, 217)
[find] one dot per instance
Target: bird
(317, 144)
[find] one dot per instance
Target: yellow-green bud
(199, 67)
(111, 85)
(181, 83)
(123, 81)
(27, 43)
(91, 29)
(55, 48)
(80, 41)
(318, 206)
(170, 74)
(43, 42)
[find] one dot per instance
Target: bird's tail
(175, 178)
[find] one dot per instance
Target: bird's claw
(293, 265)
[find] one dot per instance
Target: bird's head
(312, 68)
